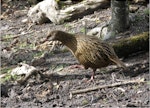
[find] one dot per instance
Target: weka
(89, 50)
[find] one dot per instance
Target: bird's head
(57, 35)
(52, 36)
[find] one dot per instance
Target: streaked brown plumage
(89, 50)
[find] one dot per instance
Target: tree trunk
(119, 18)
(120, 15)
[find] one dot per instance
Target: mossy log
(134, 44)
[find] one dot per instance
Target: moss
(133, 44)
(144, 35)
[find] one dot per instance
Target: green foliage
(5, 70)
(38, 54)
(68, 26)
(83, 30)
(6, 37)
(146, 11)
(148, 82)
(8, 76)
(142, 15)
(138, 18)
(26, 45)
(59, 68)
(31, 45)
(23, 44)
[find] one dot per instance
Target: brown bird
(90, 51)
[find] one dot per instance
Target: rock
(23, 69)
(24, 20)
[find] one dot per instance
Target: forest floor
(46, 93)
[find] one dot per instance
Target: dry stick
(12, 28)
(108, 86)
(30, 26)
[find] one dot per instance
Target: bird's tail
(119, 63)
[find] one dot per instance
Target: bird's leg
(76, 66)
(92, 76)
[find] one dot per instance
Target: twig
(31, 25)
(12, 28)
(53, 45)
(108, 86)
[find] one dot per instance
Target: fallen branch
(136, 81)
(49, 9)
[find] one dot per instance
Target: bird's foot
(76, 66)
(91, 79)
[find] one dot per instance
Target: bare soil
(47, 93)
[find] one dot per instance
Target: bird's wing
(109, 51)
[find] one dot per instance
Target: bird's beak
(48, 38)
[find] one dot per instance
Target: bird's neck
(69, 40)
